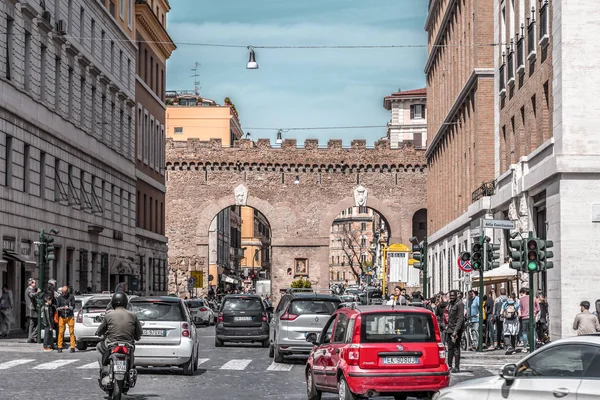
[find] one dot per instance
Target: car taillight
(288, 317)
(265, 318)
(203, 309)
(442, 351)
(185, 329)
(353, 354)
(120, 349)
(80, 316)
(220, 317)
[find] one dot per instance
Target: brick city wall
(202, 176)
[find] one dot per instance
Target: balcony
(502, 80)
(531, 51)
(520, 56)
(486, 189)
(511, 68)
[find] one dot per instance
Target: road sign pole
(425, 268)
(41, 259)
(483, 267)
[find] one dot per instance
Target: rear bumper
(86, 333)
(361, 381)
(243, 334)
(149, 355)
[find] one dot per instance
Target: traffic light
(465, 256)
(544, 254)
(517, 255)
(477, 256)
(533, 261)
(49, 247)
(253, 276)
(493, 254)
(418, 256)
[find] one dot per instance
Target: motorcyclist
(119, 325)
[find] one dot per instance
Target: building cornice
(440, 34)
(150, 181)
(478, 73)
(146, 19)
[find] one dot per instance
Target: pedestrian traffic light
(476, 256)
(516, 259)
(545, 254)
(533, 261)
(493, 254)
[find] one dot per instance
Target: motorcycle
(118, 375)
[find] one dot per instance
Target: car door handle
(561, 392)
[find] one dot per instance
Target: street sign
(464, 266)
(475, 232)
(498, 224)
(198, 277)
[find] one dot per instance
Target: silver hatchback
(297, 315)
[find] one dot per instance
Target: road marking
(202, 360)
(93, 365)
(237, 365)
(280, 367)
(14, 363)
(54, 364)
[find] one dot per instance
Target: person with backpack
(510, 314)
(498, 318)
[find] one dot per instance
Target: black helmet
(119, 299)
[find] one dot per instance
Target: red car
(370, 351)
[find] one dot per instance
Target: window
(144, 62)
(544, 23)
(128, 73)
(363, 210)
(122, 9)
(93, 104)
(162, 149)
(161, 84)
(42, 175)
(57, 62)
(156, 220)
(327, 331)
(140, 130)
(179, 130)
(417, 111)
(27, 71)
(103, 117)
(122, 134)
(112, 56)
(8, 162)
(341, 328)
(81, 24)
(149, 78)
(111, 134)
(70, 90)
(150, 216)
(363, 242)
(69, 15)
(531, 45)
(102, 40)
(156, 80)
(121, 65)
(162, 222)
(143, 208)
(129, 13)
(82, 101)
(9, 46)
(57, 196)
(149, 147)
(93, 37)
(407, 327)
(146, 134)
(157, 147)
(26, 168)
(363, 226)
(566, 361)
(111, 8)
(43, 60)
(82, 193)
(125, 143)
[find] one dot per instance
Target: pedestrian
(441, 314)
(489, 313)
(585, 322)
(66, 305)
(499, 318)
(31, 311)
(456, 323)
(597, 312)
(510, 314)
(397, 299)
(6, 306)
(524, 317)
(473, 309)
(541, 320)
(48, 322)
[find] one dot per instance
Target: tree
(354, 245)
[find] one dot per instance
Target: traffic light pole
(481, 270)
(531, 333)
(425, 281)
(41, 255)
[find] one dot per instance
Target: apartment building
(409, 117)
(154, 47)
(67, 155)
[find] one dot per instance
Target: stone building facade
(409, 117)
(300, 191)
(67, 82)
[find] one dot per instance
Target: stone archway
(299, 190)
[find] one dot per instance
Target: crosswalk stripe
(280, 367)
(236, 365)
(93, 365)
(14, 363)
(54, 364)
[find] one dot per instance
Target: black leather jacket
(456, 317)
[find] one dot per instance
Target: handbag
(56, 317)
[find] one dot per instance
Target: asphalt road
(233, 372)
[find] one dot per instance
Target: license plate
(120, 366)
(154, 332)
(400, 360)
(242, 319)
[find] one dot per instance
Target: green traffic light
(532, 266)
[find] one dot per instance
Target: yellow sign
(199, 278)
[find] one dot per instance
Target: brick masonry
(201, 177)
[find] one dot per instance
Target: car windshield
(242, 304)
(195, 303)
(158, 310)
(97, 303)
(313, 306)
(397, 327)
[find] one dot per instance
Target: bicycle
(470, 336)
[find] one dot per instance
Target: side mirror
(313, 338)
(269, 309)
(509, 372)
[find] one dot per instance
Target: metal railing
(486, 189)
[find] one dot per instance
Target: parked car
(298, 314)
(568, 368)
(242, 318)
(169, 337)
(201, 312)
(371, 351)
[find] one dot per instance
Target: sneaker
(509, 351)
(72, 350)
(491, 348)
(59, 350)
(47, 348)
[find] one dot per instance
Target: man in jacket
(66, 305)
(585, 322)
(31, 311)
(456, 322)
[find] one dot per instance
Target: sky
(299, 88)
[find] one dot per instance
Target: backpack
(511, 310)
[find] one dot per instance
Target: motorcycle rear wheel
(117, 390)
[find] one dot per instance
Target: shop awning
(9, 255)
(502, 274)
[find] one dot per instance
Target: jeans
(32, 336)
(62, 323)
(48, 337)
(499, 330)
(454, 349)
(475, 337)
(490, 331)
(525, 331)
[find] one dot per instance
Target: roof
(386, 308)
(313, 295)
(404, 94)
(157, 298)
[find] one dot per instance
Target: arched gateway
(299, 190)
